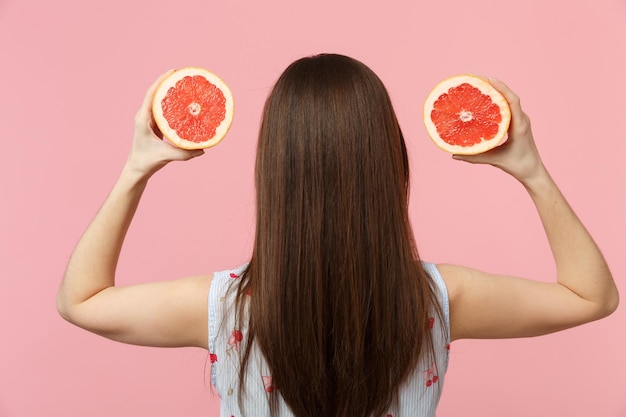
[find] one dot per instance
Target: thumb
(169, 152)
(185, 155)
(493, 156)
(196, 153)
(472, 159)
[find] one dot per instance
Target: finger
(156, 129)
(147, 101)
(511, 98)
(504, 89)
(145, 112)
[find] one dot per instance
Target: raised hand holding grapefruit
(149, 152)
(519, 156)
(193, 108)
(466, 115)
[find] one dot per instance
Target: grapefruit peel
(188, 130)
(462, 115)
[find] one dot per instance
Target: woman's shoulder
(221, 282)
(438, 273)
(449, 275)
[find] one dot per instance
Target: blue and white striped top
(419, 396)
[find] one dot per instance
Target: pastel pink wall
(72, 74)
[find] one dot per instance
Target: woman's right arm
(165, 313)
(484, 305)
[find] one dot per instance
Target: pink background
(73, 73)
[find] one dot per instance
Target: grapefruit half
(193, 108)
(466, 115)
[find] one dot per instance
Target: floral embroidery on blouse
(235, 339)
(268, 384)
(430, 375)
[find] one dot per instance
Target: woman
(335, 315)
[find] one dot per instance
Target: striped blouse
(418, 396)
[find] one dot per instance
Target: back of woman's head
(334, 272)
(329, 122)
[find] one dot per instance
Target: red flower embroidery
(267, 383)
(213, 357)
(233, 275)
(431, 322)
(235, 339)
(430, 375)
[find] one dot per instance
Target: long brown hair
(339, 301)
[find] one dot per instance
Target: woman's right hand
(149, 151)
(518, 156)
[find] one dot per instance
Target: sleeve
(215, 317)
(444, 302)
(219, 300)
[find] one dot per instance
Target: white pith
(466, 116)
(485, 88)
(194, 108)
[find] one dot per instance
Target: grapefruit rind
(485, 88)
(169, 133)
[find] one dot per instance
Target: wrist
(134, 176)
(539, 180)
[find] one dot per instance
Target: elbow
(611, 298)
(62, 307)
(612, 303)
(608, 306)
